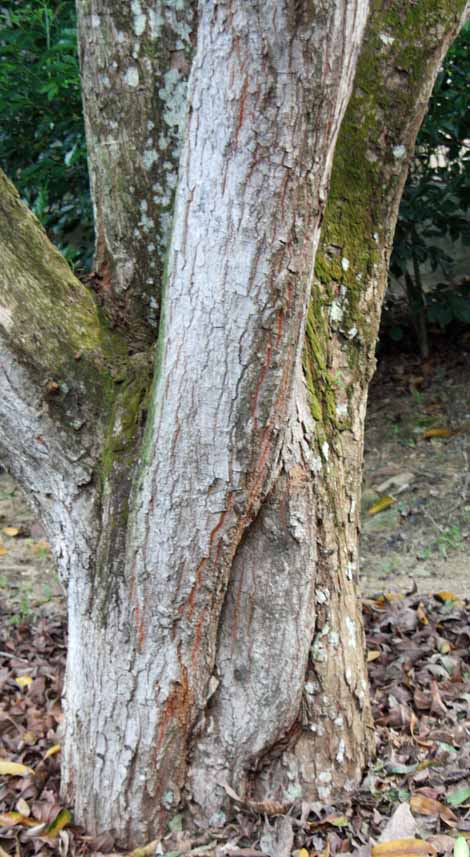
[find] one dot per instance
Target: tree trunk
(135, 60)
(215, 635)
(228, 437)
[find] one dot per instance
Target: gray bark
(214, 630)
(265, 102)
(135, 59)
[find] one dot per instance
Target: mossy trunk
(214, 625)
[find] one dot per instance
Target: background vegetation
(436, 201)
(42, 140)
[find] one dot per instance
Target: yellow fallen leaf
(446, 596)
(15, 769)
(11, 531)
(303, 853)
(403, 848)
(11, 819)
(52, 751)
(428, 806)
(381, 505)
(437, 432)
(23, 680)
(372, 655)
(421, 614)
(23, 807)
(3, 550)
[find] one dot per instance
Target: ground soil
(417, 452)
(421, 540)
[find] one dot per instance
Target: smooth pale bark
(135, 59)
(266, 97)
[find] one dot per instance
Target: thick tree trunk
(215, 633)
(266, 98)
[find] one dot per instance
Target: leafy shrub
(436, 198)
(42, 141)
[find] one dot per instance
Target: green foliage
(42, 142)
(436, 199)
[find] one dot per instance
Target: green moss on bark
(400, 55)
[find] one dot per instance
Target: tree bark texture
(268, 88)
(215, 635)
(402, 52)
(135, 59)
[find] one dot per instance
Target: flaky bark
(135, 59)
(266, 97)
(56, 367)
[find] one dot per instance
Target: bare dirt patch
(28, 580)
(417, 453)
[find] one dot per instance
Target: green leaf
(461, 848)
(458, 796)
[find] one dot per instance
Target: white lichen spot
(336, 312)
(351, 626)
(334, 639)
(324, 792)
(140, 21)
(345, 264)
(149, 158)
(386, 39)
(322, 596)
(293, 792)
(309, 687)
(376, 237)
(150, 247)
(173, 96)
(150, 126)
(156, 21)
(316, 464)
(352, 332)
(146, 222)
(399, 152)
(350, 569)
(339, 721)
(341, 751)
(120, 37)
(348, 675)
(341, 410)
(325, 777)
(166, 220)
(168, 799)
(325, 450)
(132, 76)
(95, 21)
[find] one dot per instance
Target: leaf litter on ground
(414, 800)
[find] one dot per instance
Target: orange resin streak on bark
(241, 112)
(176, 710)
